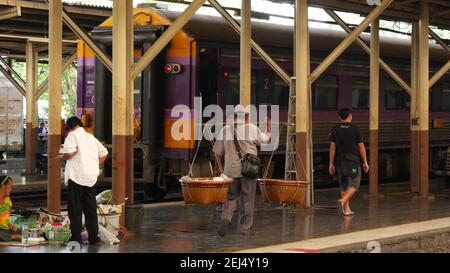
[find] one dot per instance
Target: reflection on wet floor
(192, 228)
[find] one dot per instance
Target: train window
(360, 92)
(280, 94)
(395, 95)
(324, 94)
(445, 100)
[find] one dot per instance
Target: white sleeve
(102, 151)
(70, 145)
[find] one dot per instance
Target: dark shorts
(345, 181)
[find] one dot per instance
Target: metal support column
(54, 106)
(374, 106)
(31, 130)
(303, 87)
(122, 115)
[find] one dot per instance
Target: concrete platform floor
(175, 227)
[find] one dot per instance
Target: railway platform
(399, 221)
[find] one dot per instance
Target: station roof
(31, 22)
(403, 10)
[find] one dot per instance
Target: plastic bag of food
(105, 197)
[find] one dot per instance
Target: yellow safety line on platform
(356, 237)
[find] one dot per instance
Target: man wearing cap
(248, 137)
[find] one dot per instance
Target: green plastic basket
(59, 237)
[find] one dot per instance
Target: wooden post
(423, 97)
(54, 105)
(374, 106)
(122, 136)
(31, 137)
(439, 74)
(414, 148)
(246, 54)
(302, 93)
(129, 158)
(86, 38)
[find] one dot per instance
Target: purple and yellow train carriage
(203, 60)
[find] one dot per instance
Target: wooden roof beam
(235, 25)
(10, 69)
(86, 38)
(166, 37)
(366, 48)
(10, 13)
(106, 12)
(439, 40)
(13, 81)
(32, 38)
(374, 14)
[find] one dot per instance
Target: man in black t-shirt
(346, 138)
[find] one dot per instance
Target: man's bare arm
(331, 168)
(102, 160)
(362, 152)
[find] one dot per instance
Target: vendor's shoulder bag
(249, 162)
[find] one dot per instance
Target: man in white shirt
(85, 155)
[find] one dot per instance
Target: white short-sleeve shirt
(83, 168)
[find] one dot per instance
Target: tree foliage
(68, 85)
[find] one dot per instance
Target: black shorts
(345, 181)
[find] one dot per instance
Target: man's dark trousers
(81, 199)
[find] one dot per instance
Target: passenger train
(203, 60)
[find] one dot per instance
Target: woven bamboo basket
(284, 191)
(204, 191)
